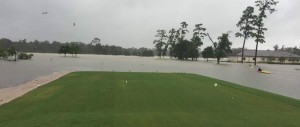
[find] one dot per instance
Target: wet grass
(148, 99)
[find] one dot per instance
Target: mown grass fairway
(148, 100)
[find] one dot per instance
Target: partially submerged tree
(182, 50)
(2, 53)
(181, 45)
(165, 49)
(208, 52)
(246, 26)
(64, 49)
(74, 49)
(12, 52)
(223, 47)
(24, 56)
(161, 35)
(263, 5)
(196, 40)
(172, 41)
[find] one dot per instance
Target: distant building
(266, 56)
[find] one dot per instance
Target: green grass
(148, 100)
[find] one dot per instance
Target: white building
(266, 56)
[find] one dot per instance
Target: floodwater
(284, 80)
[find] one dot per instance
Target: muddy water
(284, 80)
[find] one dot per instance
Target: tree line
(12, 54)
(95, 47)
(251, 26)
(294, 50)
(184, 49)
(178, 46)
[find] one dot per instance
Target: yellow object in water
(265, 72)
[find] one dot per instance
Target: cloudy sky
(133, 23)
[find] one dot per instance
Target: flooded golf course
(284, 79)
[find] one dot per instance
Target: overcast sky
(133, 23)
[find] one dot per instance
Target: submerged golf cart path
(11, 93)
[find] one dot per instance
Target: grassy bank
(148, 99)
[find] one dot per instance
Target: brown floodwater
(284, 80)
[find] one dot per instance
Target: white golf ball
(216, 84)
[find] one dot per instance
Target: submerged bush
(24, 56)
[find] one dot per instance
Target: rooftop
(268, 53)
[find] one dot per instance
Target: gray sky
(133, 23)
